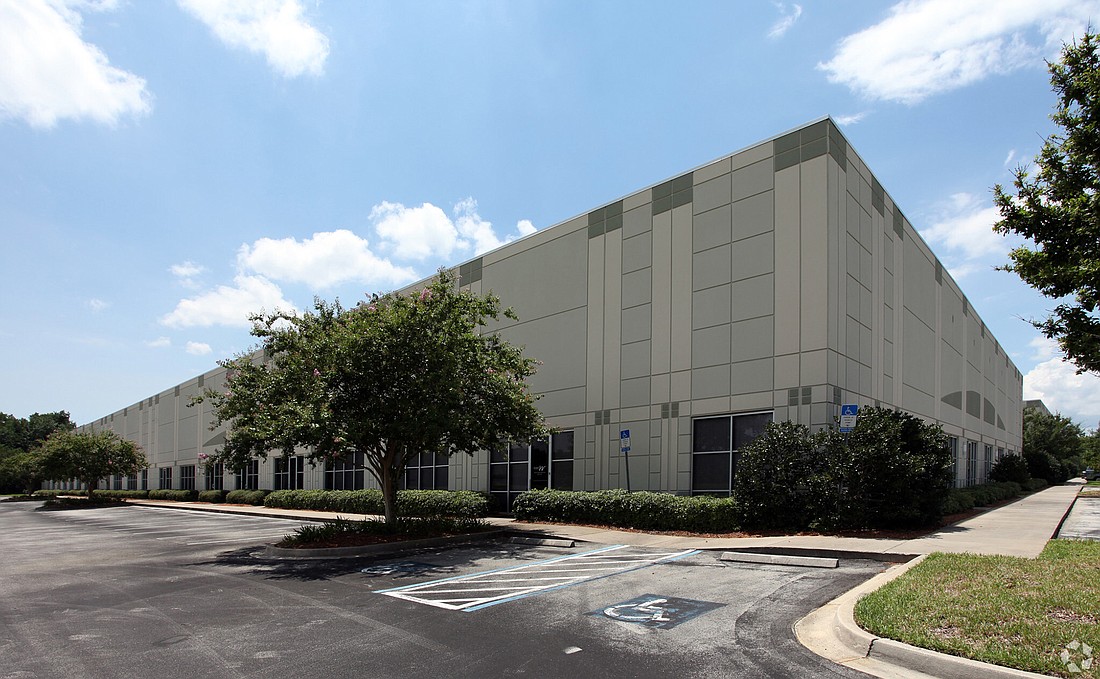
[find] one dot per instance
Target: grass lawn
(1006, 610)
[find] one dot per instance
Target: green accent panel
(973, 404)
(815, 131)
(682, 197)
(595, 230)
(878, 196)
(838, 150)
(815, 148)
(954, 399)
(787, 159)
(939, 272)
(615, 208)
(683, 182)
(786, 143)
(613, 222)
(662, 204)
(899, 223)
(835, 136)
(596, 216)
(989, 411)
(662, 190)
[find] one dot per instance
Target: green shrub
(892, 471)
(122, 494)
(212, 496)
(642, 510)
(173, 495)
(313, 534)
(246, 497)
(57, 493)
(1043, 465)
(1010, 468)
(773, 478)
(963, 499)
(463, 504)
(1033, 485)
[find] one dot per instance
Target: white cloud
(186, 273)
(964, 227)
(187, 269)
(48, 73)
(229, 305)
(198, 348)
(525, 228)
(1010, 157)
(419, 233)
(1057, 383)
(415, 233)
(475, 231)
(787, 18)
(275, 28)
(97, 305)
(159, 343)
(327, 259)
(851, 119)
(925, 47)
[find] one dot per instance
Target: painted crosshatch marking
(661, 612)
(481, 590)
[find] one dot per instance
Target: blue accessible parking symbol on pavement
(662, 612)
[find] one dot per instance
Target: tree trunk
(389, 495)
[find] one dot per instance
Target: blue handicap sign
(848, 414)
(624, 441)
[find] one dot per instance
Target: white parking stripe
(586, 566)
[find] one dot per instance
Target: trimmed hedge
(173, 495)
(56, 493)
(962, 499)
(461, 504)
(246, 497)
(1033, 485)
(122, 494)
(212, 496)
(642, 510)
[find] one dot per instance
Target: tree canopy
(19, 438)
(90, 457)
(1058, 209)
(393, 377)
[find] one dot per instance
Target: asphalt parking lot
(149, 592)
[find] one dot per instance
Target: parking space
(176, 526)
(478, 590)
(155, 592)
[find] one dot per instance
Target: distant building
(1037, 404)
(775, 283)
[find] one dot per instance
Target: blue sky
(168, 166)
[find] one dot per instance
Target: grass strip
(1009, 611)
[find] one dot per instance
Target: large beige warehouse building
(775, 283)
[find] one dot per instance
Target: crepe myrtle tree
(393, 377)
(89, 457)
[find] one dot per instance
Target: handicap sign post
(849, 412)
(624, 448)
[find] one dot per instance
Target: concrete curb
(832, 632)
(780, 559)
(545, 542)
(380, 549)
